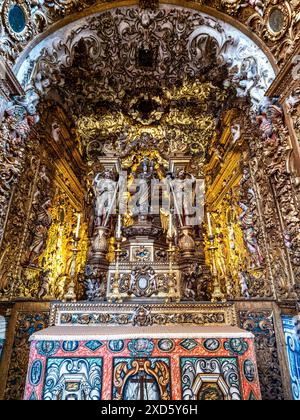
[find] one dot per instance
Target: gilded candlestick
(217, 295)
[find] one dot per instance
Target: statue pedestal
(99, 246)
(144, 270)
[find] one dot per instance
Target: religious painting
(210, 378)
(293, 350)
(73, 379)
(142, 379)
(210, 391)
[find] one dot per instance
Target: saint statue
(182, 190)
(105, 189)
(247, 226)
(143, 194)
(40, 233)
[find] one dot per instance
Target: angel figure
(257, 5)
(45, 284)
(244, 284)
(166, 221)
(40, 233)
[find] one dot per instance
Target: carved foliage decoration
(276, 22)
(155, 75)
(57, 258)
(271, 20)
(19, 118)
(261, 324)
(19, 209)
(138, 51)
(258, 275)
(27, 323)
(275, 184)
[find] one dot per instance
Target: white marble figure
(105, 189)
(236, 132)
(132, 279)
(152, 279)
(182, 189)
(244, 285)
(144, 188)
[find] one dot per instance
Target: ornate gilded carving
(156, 314)
(58, 256)
(124, 114)
(261, 324)
(26, 324)
(269, 19)
(278, 200)
(19, 118)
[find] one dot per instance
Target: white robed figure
(182, 190)
(105, 189)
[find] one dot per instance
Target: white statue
(105, 189)
(236, 132)
(144, 187)
(152, 279)
(244, 284)
(182, 190)
(132, 279)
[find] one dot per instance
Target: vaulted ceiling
(130, 76)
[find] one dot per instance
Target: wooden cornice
(285, 82)
(9, 84)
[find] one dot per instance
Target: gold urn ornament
(186, 242)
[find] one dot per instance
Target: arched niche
(251, 69)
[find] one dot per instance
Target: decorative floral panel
(143, 369)
(2, 334)
(293, 351)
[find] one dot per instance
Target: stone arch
(233, 47)
(110, 5)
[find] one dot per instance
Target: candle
(119, 227)
(170, 226)
(209, 225)
(78, 225)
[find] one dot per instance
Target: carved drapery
(276, 22)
